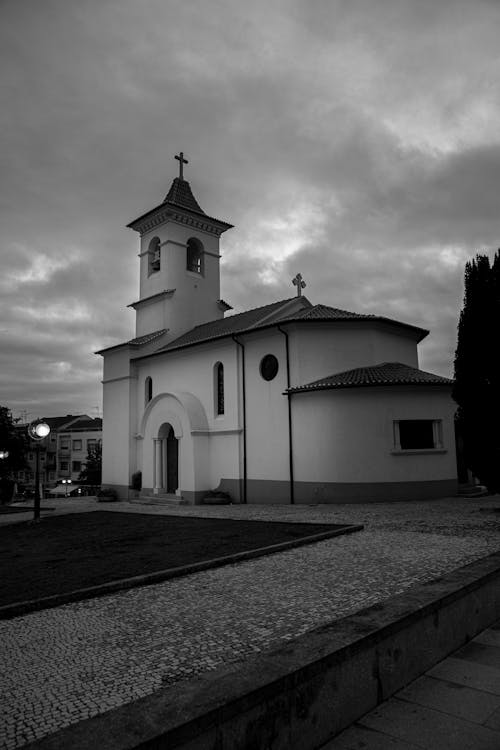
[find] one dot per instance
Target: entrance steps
(163, 499)
(472, 490)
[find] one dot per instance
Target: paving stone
(362, 738)
(493, 721)
(451, 698)
(87, 657)
(489, 637)
(431, 729)
(480, 653)
(463, 672)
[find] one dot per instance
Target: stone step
(472, 490)
(158, 500)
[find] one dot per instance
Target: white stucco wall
(196, 295)
(323, 349)
(346, 435)
(118, 405)
(266, 408)
(215, 443)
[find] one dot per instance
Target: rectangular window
(64, 444)
(77, 445)
(91, 443)
(76, 466)
(418, 434)
(64, 465)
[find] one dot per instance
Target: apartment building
(63, 452)
(73, 441)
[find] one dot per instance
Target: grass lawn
(64, 553)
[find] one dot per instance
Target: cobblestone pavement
(66, 664)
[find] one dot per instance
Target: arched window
(194, 257)
(154, 255)
(219, 388)
(148, 390)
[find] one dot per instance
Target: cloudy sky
(355, 142)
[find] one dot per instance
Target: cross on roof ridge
(299, 283)
(180, 158)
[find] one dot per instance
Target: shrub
(107, 495)
(136, 483)
(216, 497)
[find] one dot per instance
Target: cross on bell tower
(180, 158)
(297, 281)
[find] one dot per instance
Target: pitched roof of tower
(180, 194)
(387, 373)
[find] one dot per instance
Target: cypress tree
(477, 370)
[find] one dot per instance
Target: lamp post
(38, 431)
(65, 482)
(3, 456)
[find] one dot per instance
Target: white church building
(291, 402)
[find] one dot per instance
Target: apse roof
(387, 373)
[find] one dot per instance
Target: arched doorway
(166, 465)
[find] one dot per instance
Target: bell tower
(179, 285)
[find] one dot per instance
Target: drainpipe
(244, 417)
(289, 396)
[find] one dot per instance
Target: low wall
(303, 693)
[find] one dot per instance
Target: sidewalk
(65, 665)
(454, 706)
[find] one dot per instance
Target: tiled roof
(224, 304)
(138, 341)
(324, 312)
(239, 323)
(180, 195)
(147, 338)
(86, 425)
(387, 373)
(56, 422)
(277, 312)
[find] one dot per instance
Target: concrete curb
(48, 602)
(305, 692)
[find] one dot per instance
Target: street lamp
(65, 482)
(3, 455)
(37, 431)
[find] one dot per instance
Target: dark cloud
(354, 142)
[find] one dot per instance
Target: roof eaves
(388, 384)
(151, 298)
(133, 224)
(422, 332)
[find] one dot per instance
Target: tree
(13, 442)
(477, 370)
(91, 472)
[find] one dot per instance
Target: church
(290, 402)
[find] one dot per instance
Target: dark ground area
(6, 509)
(64, 553)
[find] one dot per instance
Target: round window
(269, 367)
